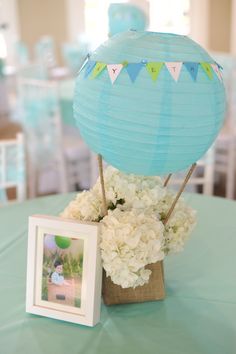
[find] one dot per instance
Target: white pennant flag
(114, 71)
(217, 71)
(174, 69)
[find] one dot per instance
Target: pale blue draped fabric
(45, 51)
(22, 53)
(74, 56)
(14, 169)
(37, 119)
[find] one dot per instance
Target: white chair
(225, 159)
(226, 141)
(52, 155)
(203, 175)
(12, 168)
(4, 104)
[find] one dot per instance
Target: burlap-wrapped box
(152, 291)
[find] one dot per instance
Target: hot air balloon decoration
(149, 104)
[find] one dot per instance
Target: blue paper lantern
(150, 126)
(123, 17)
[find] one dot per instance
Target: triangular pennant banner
(217, 71)
(208, 69)
(154, 69)
(86, 59)
(114, 71)
(192, 69)
(133, 70)
(97, 69)
(219, 66)
(174, 69)
(124, 63)
(89, 67)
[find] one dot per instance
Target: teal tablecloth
(198, 315)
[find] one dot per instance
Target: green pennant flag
(208, 69)
(97, 69)
(154, 69)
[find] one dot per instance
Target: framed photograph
(64, 272)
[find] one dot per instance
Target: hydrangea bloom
(133, 234)
(130, 240)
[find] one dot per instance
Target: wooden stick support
(167, 179)
(179, 192)
(100, 167)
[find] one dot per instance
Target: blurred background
(42, 46)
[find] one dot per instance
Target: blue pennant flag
(133, 70)
(219, 66)
(89, 67)
(192, 69)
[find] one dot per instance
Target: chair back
(73, 56)
(45, 52)
(21, 54)
(12, 168)
(35, 71)
(202, 176)
(228, 63)
(41, 120)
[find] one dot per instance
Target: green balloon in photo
(62, 242)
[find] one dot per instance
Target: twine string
(179, 192)
(100, 167)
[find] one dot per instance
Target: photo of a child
(57, 277)
(62, 270)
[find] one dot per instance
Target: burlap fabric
(154, 290)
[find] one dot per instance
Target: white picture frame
(57, 245)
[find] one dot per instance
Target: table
(198, 315)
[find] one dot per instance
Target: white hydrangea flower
(179, 227)
(129, 241)
(72, 211)
(137, 191)
(87, 206)
(133, 234)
